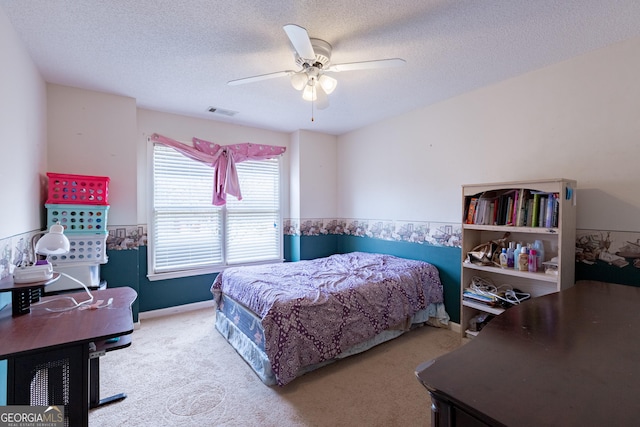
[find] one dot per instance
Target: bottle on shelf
(523, 260)
(503, 258)
(533, 261)
(510, 255)
(516, 256)
(538, 245)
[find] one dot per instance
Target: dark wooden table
(566, 359)
(48, 352)
(23, 294)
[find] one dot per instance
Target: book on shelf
(486, 208)
(552, 210)
(543, 210)
(514, 212)
(470, 295)
(507, 217)
(535, 210)
(471, 210)
(521, 214)
(529, 220)
(518, 207)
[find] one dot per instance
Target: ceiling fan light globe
(328, 83)
(299, 81)
(309, 93)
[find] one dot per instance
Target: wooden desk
(564, 359)
(48, 353)
(23, 294)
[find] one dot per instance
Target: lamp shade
(309, 93)
(54, 242)
(328, 83)
(299, 80)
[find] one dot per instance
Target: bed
(287, 319)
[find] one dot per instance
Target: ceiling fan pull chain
(312, 101)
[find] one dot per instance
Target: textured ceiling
(177, 55)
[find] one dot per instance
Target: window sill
(201, 271)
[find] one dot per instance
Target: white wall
(183, 129)
(93, 133)
(294, 176)
(23, 148)
(23, 138)
(318, 175)
(578, 119)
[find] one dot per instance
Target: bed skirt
(244, 330)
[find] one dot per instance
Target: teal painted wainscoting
(122, 270)
(172, 292)
(298, 247)
(608, 256)
(304, 239)
(319, 246)
(446, 259)
(604, 272)
(291, 247)
(129, 268)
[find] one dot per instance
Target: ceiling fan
(313, 57)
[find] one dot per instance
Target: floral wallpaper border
(421, 232)
(126, 237)
(617, 248)
(15, 249)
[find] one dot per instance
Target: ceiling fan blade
(300, 40)
(366, 65)
(259, 77)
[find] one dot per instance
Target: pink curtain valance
(223, 159)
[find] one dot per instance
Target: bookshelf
(543, 210)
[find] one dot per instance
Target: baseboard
(175, 310)
(455, 327)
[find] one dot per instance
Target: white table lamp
(52, 243)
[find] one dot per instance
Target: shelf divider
(483, 307)
(540, 276)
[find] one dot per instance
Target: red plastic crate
(78, 189)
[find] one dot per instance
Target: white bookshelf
(558, 241)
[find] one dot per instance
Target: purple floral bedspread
(313, 310)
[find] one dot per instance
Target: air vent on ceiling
(222, 112)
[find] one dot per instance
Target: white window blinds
(253, 222)
(190, 233)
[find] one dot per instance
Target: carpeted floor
(179, 371)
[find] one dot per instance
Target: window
(191, 236)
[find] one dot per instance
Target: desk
(51, 350)
(23, 294)
(564, 359)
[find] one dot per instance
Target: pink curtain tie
(223, 159)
